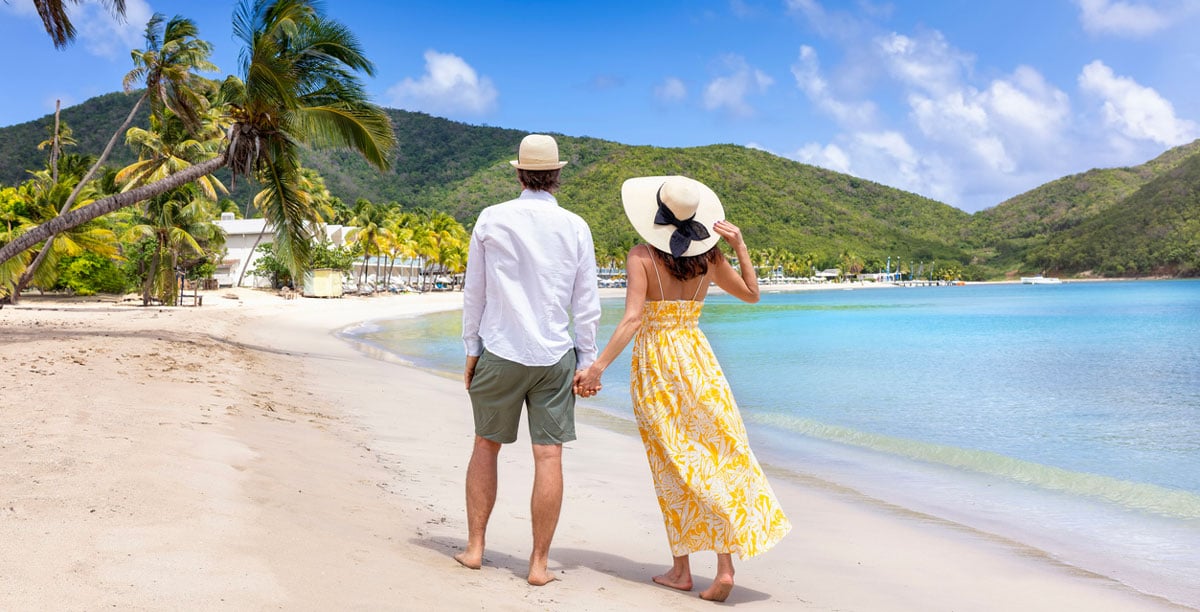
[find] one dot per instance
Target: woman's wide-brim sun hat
(538, 152)
(675, 214)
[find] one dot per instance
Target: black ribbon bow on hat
(686, 230)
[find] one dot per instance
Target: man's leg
(544, 507)
(481, 498)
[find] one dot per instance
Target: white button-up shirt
(531, 266)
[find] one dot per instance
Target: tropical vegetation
(293, 138)
(299, 86)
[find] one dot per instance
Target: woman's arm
(743, 286)
(587, 382)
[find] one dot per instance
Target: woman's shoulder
(640, 252)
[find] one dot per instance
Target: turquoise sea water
(1064, 417)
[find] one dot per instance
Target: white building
(240, 238)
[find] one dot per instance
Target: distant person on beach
(711, 489)
(531, 268)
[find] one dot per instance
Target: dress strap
(697, 294)
(654, 264)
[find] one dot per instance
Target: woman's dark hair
(539, 180)
(684, 268)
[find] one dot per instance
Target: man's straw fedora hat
(538, 152)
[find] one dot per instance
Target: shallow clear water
(1063, 416)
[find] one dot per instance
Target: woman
(711, 490)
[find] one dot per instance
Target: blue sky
(969, 103)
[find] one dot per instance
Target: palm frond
(364, 128)
(286, 206)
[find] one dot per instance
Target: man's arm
(585, 302)
(474, 292)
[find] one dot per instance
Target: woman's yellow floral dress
(712, 492)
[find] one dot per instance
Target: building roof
(242, 227)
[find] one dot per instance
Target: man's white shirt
(530, 268)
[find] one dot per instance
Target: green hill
(92, 123)
(1066, 225)
(1007, 232)
(1154, 231)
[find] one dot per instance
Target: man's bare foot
(540, 577)
(720, 589)
(470, 560)
(675, 580)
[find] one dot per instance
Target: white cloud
(807, 72)
(886, 157)
(836, 24)
(928, 63)
(107, 36)
(671, 89)
(1135, 111)
(1029, 104)
(1121, 18)
(830, 156)
(449, 86)
(730, 92)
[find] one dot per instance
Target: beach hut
(323, 282)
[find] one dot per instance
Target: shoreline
(244, 456)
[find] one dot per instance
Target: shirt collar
(545, 196)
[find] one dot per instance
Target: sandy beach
(241, 456)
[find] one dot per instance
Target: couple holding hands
(531, 270)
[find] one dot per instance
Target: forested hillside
(1154, 231)
(825, 218)
(1006, 233)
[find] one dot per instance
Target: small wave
(361, 329)
(1133, 495)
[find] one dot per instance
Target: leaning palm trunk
(27, 277)
(104, 206)
(242, 275)
(151, 274)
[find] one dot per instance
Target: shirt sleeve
(585, 302)
(474, 290)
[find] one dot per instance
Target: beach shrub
(268, 265)
(326, 255)
(89, 274)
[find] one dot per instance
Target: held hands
(729, 232)
(587, 382)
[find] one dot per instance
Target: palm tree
(179, 222)
(42, 197)
(166, 67)
(60, 136)
(299, 87)
(370, 232)
(58, 23)
(166, 149)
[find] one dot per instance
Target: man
(531, 268)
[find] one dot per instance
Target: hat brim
(640, 198)
(542, 166)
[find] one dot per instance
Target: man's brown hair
(539, 180)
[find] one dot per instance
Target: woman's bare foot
(469, 559)
(721, 587)
(675, 579)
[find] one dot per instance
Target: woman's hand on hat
(729, 232)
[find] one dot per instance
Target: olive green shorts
(500, 387)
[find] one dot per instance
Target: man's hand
(587, 381)
(469, 371)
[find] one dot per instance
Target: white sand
(238, 456)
